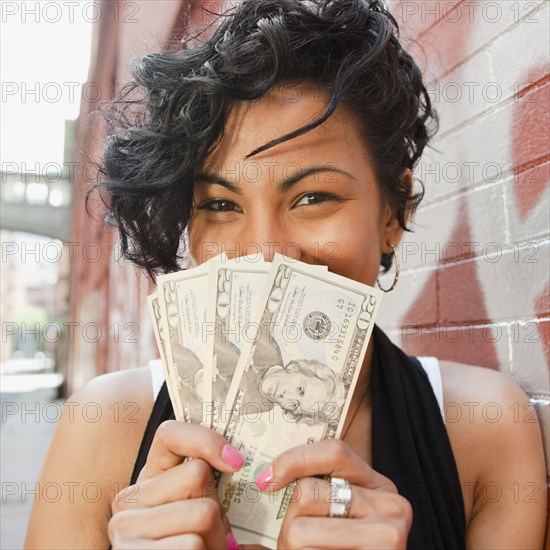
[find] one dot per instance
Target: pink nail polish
(232, 456)
(231, 542)
(264, 479)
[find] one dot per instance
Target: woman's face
(313, 197)
(295, 391)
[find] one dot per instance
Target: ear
(391, 230)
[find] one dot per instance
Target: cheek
(350, 250)
(204, 243)
(195, 247)
(345, 243)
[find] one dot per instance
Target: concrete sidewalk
(28, 421)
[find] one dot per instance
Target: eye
(315, 198)
(219, 205)
(301, 390)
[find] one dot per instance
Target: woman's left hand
(378, 516)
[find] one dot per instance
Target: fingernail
(264, 479)
(231, 542)
(232, 456)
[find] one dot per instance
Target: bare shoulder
(114, 409)
(90, 459)
(496, 440)
(467, 381)
(488, 408)
(128, 390)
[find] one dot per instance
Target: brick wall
(475, 273)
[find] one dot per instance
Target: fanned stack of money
(268, 354)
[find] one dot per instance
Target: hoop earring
(396, 277)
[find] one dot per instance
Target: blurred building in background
(107, 290)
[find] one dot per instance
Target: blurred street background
(45, 58)
(28, 421)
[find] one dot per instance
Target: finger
(187, 542)
(344, 533)
(175, 440)
(313, 496)
(226, 524)
(230, 540)
(190, 479)
(330, 457)
(193, 516)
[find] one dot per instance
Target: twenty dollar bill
(293, 383)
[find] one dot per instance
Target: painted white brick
(396, 303)
(489, 20)
(500, 340)
(529, 366)
(434, 225)
(494, 74)
(542, 407)
(477, 132)
(464, 93)
(477, 153)
(536, 224)
(512, 284)
(487, 216)
(524, 45)
(521, 15)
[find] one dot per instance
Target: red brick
(461, 298)
(425, 308)
(468, 344)
(531, 141)
(542, 310)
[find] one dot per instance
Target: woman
(297, 122)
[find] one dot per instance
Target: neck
(361, 391)
(363, 381)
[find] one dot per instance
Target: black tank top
(410, 446)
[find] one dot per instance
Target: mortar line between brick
(484, 46)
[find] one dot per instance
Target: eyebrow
(287, 183)
(207, 177)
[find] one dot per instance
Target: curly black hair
(173, 113)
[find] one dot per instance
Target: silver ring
(340, 498)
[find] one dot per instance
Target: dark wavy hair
(173, 113)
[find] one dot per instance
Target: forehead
(284, 109)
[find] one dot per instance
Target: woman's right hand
(174, 504)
